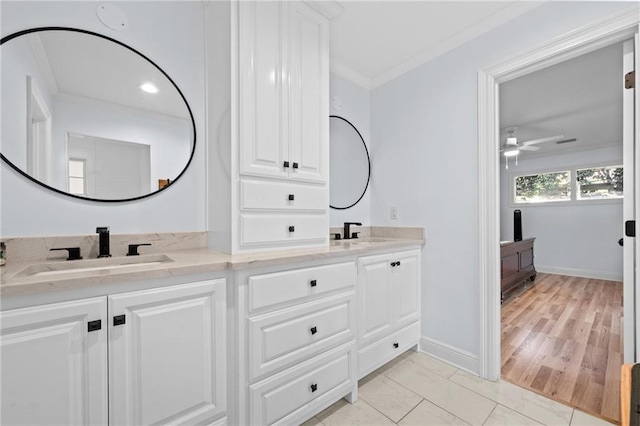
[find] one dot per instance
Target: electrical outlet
(394, 212)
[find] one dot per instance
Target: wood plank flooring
(562, 338)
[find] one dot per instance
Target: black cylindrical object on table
(517, 225)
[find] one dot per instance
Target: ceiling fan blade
(529, 148)
(543, 140)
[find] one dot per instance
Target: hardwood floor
(562, 337)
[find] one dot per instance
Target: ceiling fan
(512, 147)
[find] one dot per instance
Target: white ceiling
(580, 98)
(373, 42)
(95, 68)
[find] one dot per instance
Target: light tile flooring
(416, 389)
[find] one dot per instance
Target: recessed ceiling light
(149, 88)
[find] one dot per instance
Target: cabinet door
(308, 92)
(262, 94)
(406, 285)
(53, 370)
(375, 316)
(167, 362)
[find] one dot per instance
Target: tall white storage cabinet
(54, 364)
(276, 107)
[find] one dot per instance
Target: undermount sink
(77, 266)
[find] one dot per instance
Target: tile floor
(416, 389)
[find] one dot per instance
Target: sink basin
(81, 266)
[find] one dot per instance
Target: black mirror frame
(366, 150)
(77, 30)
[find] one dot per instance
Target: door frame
(612, 29)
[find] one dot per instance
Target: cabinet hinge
(630, 80)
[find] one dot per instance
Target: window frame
(83, 177)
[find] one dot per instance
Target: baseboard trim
(457, 357)
(583, 273)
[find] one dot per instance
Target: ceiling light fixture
(149, 88)
(511, 152)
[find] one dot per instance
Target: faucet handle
(133, 249)
(74, 252)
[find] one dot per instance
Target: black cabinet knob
(398, 263)
(118, 320)
(291, 197)
(621, 241)
(396, 345)
(393, 264)
(295, 165)
(314, 387)
(313, 283)
(314, 330)
(292, 229)
(286, 164)
(94, 325)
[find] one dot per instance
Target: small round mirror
(350, 166)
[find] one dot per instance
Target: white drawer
(258, 230)
(257, 195)
(384, 350)
(282, 287)
(280, 339)
(289, 398)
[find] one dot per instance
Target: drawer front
(293, 396)
(256, 195)
(256, 230)
(384, 350)
(282, 287)
(280, 339)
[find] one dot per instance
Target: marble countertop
(21, 278)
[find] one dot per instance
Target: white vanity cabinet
(388, 307)
(283, 90)
(53, 366)
(296, 350)
(164, 350)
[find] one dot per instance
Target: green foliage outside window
(600, 183)
(543, 187)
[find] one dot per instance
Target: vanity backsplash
(38, 248)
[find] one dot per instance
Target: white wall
(168, 137)
(172, 35)
(356, 109)
(424, 149)
(577, 237)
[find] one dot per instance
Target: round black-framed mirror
(87, 116)
(350, 164)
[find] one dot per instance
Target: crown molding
(348, 73)
(329, 8)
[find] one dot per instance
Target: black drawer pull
(314, 330)
(286, 164)
(291, 197)
(94, 325)
(394, 264)
(398, 263)
(313, 283)
(292, 229)
(295, 165)
(118, 320)
(314, 387)
(396, 345)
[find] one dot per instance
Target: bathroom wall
(424, 127)
(356, 109)
(576, 237)
(172, 35)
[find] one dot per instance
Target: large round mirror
(87, 116)
(350, 166)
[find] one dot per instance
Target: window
(599, 183)
(76, 177)
(543, 187)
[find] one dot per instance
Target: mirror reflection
(350, 168)
(87, 116)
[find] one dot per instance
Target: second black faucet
(347, 229)
(103, 241)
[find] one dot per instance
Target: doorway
(614, 29)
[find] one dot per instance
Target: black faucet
(103, 241)
(347, 230)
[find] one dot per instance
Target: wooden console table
(516, 264)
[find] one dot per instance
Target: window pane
(599, 183)
(543, 187)
(76, 168)
(76, 186)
